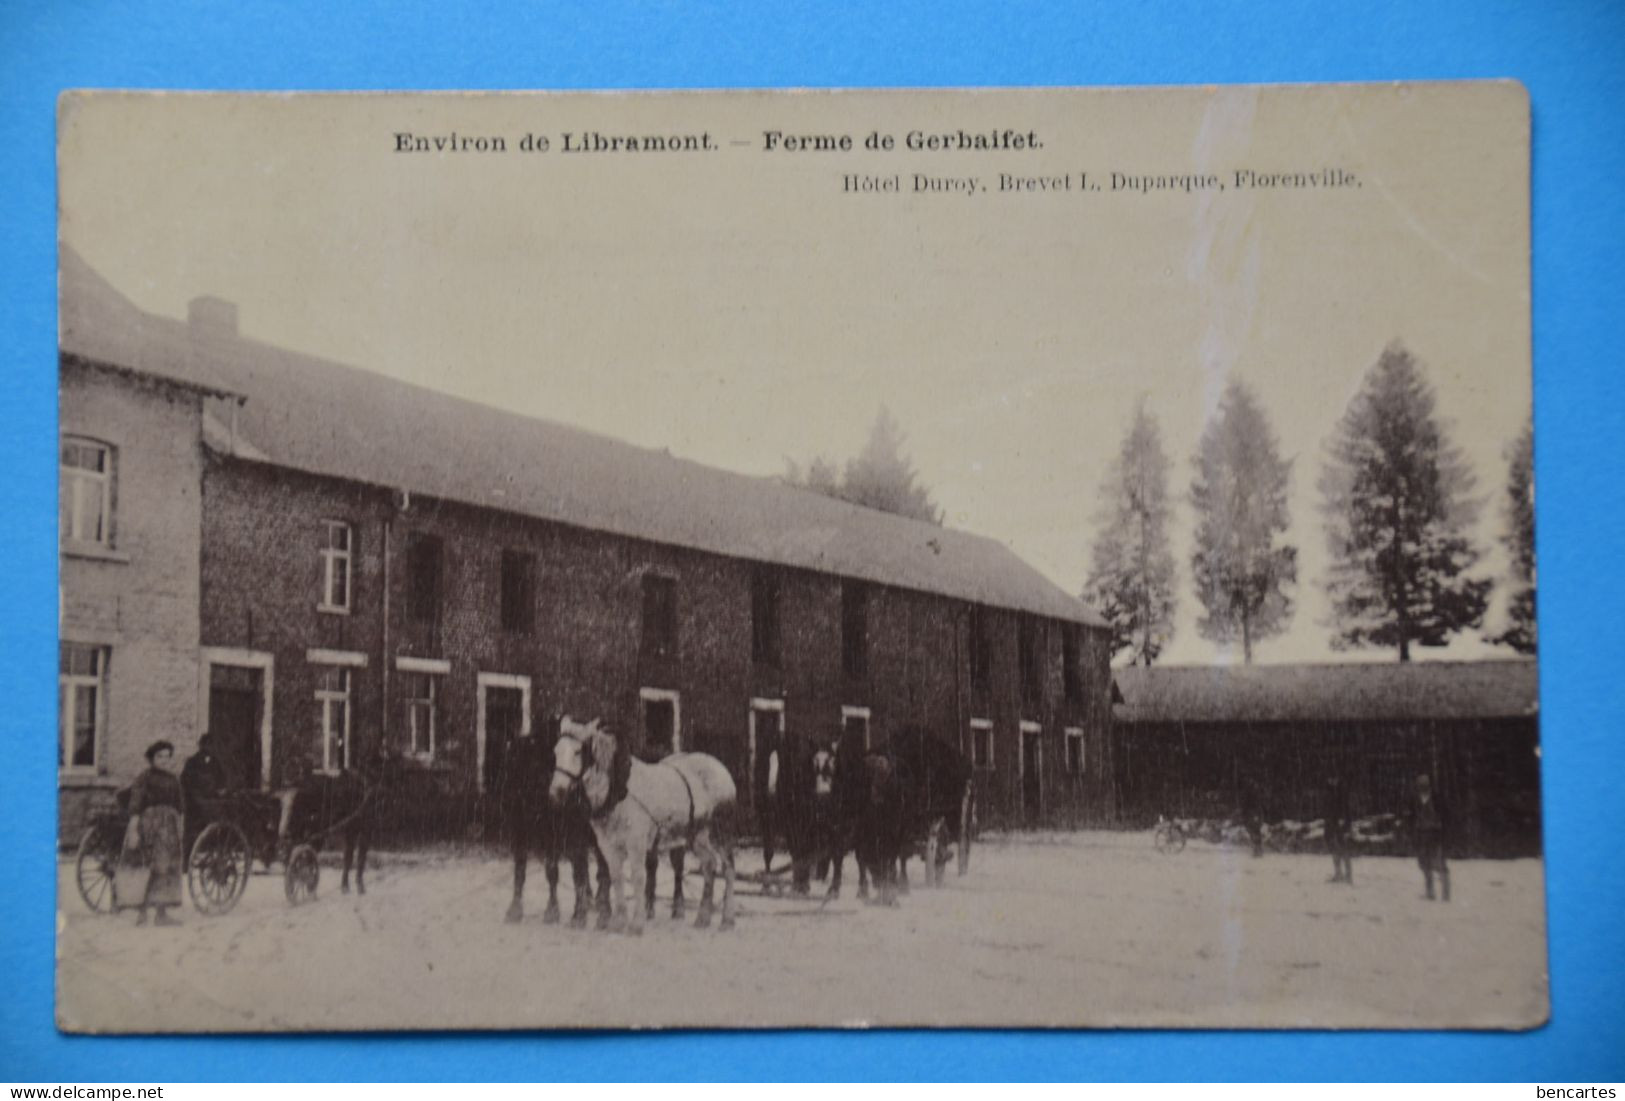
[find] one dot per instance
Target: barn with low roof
(1202, 742)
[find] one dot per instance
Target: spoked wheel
(93, 867)
(217, 872)
(1170, 839)
(299, 880)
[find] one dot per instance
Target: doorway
(766, 739)
(236, 699)
(1032, 790)
(504, 720)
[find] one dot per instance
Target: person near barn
(1338, 842)
(1429, 820)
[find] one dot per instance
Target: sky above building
(742, 307)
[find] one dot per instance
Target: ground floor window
(766, 746)
(855, 720)
(332, 717)
(1074, 751)
(419, 697)
(81, 678)
(981, 743)
(662, 721)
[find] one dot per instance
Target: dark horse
(346, 804)
(534, 823)
(939, 802)
(823, 799)
(911, 799)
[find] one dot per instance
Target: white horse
(687, 801)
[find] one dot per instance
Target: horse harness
(688, 788)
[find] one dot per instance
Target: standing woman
(149, 868)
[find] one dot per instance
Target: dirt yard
(1093, 929)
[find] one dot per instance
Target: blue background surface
(1570, 55)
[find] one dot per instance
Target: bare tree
(1131, 574)
(1397, 500)
(1519, 541)
(1244, 576)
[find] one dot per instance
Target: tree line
(1396, 501)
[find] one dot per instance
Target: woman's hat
(158, 747)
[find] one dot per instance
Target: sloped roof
(328, 418)
(96, 322)
(1327, 693)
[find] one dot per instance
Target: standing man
(203, 777)
(1428, 822)
(1252, 812)
(1338, 843)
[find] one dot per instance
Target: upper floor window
(518, 591)
(1071, 664)
(1030, 651)
(659, 615)
(981, 663)
(764, 616)
(854, 628)
(424, 553)
(337, 541)
(82, 680)
(87, 492)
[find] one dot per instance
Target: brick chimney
(212, 318)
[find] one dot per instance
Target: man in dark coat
(203, 777)
(1429, 820)
(1336, 818)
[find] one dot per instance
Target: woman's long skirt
(149, 873)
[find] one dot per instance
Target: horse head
(589, 759)
(823, 767)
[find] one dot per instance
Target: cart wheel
(217, 872)
(1170, 838)
(93, 868)
(299, 880)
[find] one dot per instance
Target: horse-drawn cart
(239, 828)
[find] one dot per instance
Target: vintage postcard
(1054, 558)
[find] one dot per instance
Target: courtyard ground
(1087, 929)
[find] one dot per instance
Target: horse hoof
(635, 930)
(726, 923)
(513, 915)
(344, 888)
(550, 916)
(578, 921)
(678, 911)
(360, 888)
(703, 921)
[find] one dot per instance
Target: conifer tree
(1519, 541)
(1131, 574)
(1244, 575)
(1397, 501)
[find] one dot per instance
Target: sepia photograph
(1003, 558)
